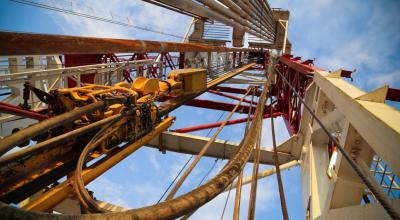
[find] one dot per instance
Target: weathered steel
(61, 192)
(19, 137)
(176, 207)
(193, 7)
(12, 43)
(16, 110)
(230, 14)
(216, 124)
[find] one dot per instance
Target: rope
(203, 151)
(278, 170)
(176, 177)
(187, 162)
(187, 216)
(236, 209)
(254, 179)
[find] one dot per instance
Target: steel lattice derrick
(168, 106)
(299, 74)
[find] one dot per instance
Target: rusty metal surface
(176, 207)
(12, 43)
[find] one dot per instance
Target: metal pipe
(26, 134)
(16, 110)
(266, 173)
(240, 8)
(53, 141)
(228, 13)
(251, 14)
(266, 7)
(263, 14)
(246, 16)
(193, 7)
(217, 124)
(13, 43)
(228, 96)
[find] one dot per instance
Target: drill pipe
(234, 7)
(188, 5)
(228, 13)
(246, 8)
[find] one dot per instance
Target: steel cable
(52, 8)
(203, 150)
(381, 197)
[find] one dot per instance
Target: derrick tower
(73, 107)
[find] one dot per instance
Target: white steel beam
(377, 122)
(192, 144)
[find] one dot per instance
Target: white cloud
(266, 201)
(153, 160)
(132, 12)
(362, 35)
(390, 78)
(109, 191)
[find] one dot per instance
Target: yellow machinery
(185, 81)
(132, 103)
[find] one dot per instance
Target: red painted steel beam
(223, 106)
(230, 96)
(217, 124)
(233, 90)
(299, 74)
(306, 67)
(393, 94)
(13, 43)
(16, 110)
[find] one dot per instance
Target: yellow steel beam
(229, 75)
(57, 194)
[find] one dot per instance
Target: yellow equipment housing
(145, 86)
(189, 80)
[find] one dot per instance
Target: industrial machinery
(80, 120)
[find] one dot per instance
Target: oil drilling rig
(98, 100)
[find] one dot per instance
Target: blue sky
(362, 35)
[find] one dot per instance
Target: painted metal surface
(12, 43)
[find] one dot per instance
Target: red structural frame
(17, 110)
(217, 124)
(171, 62)
(299, 74)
